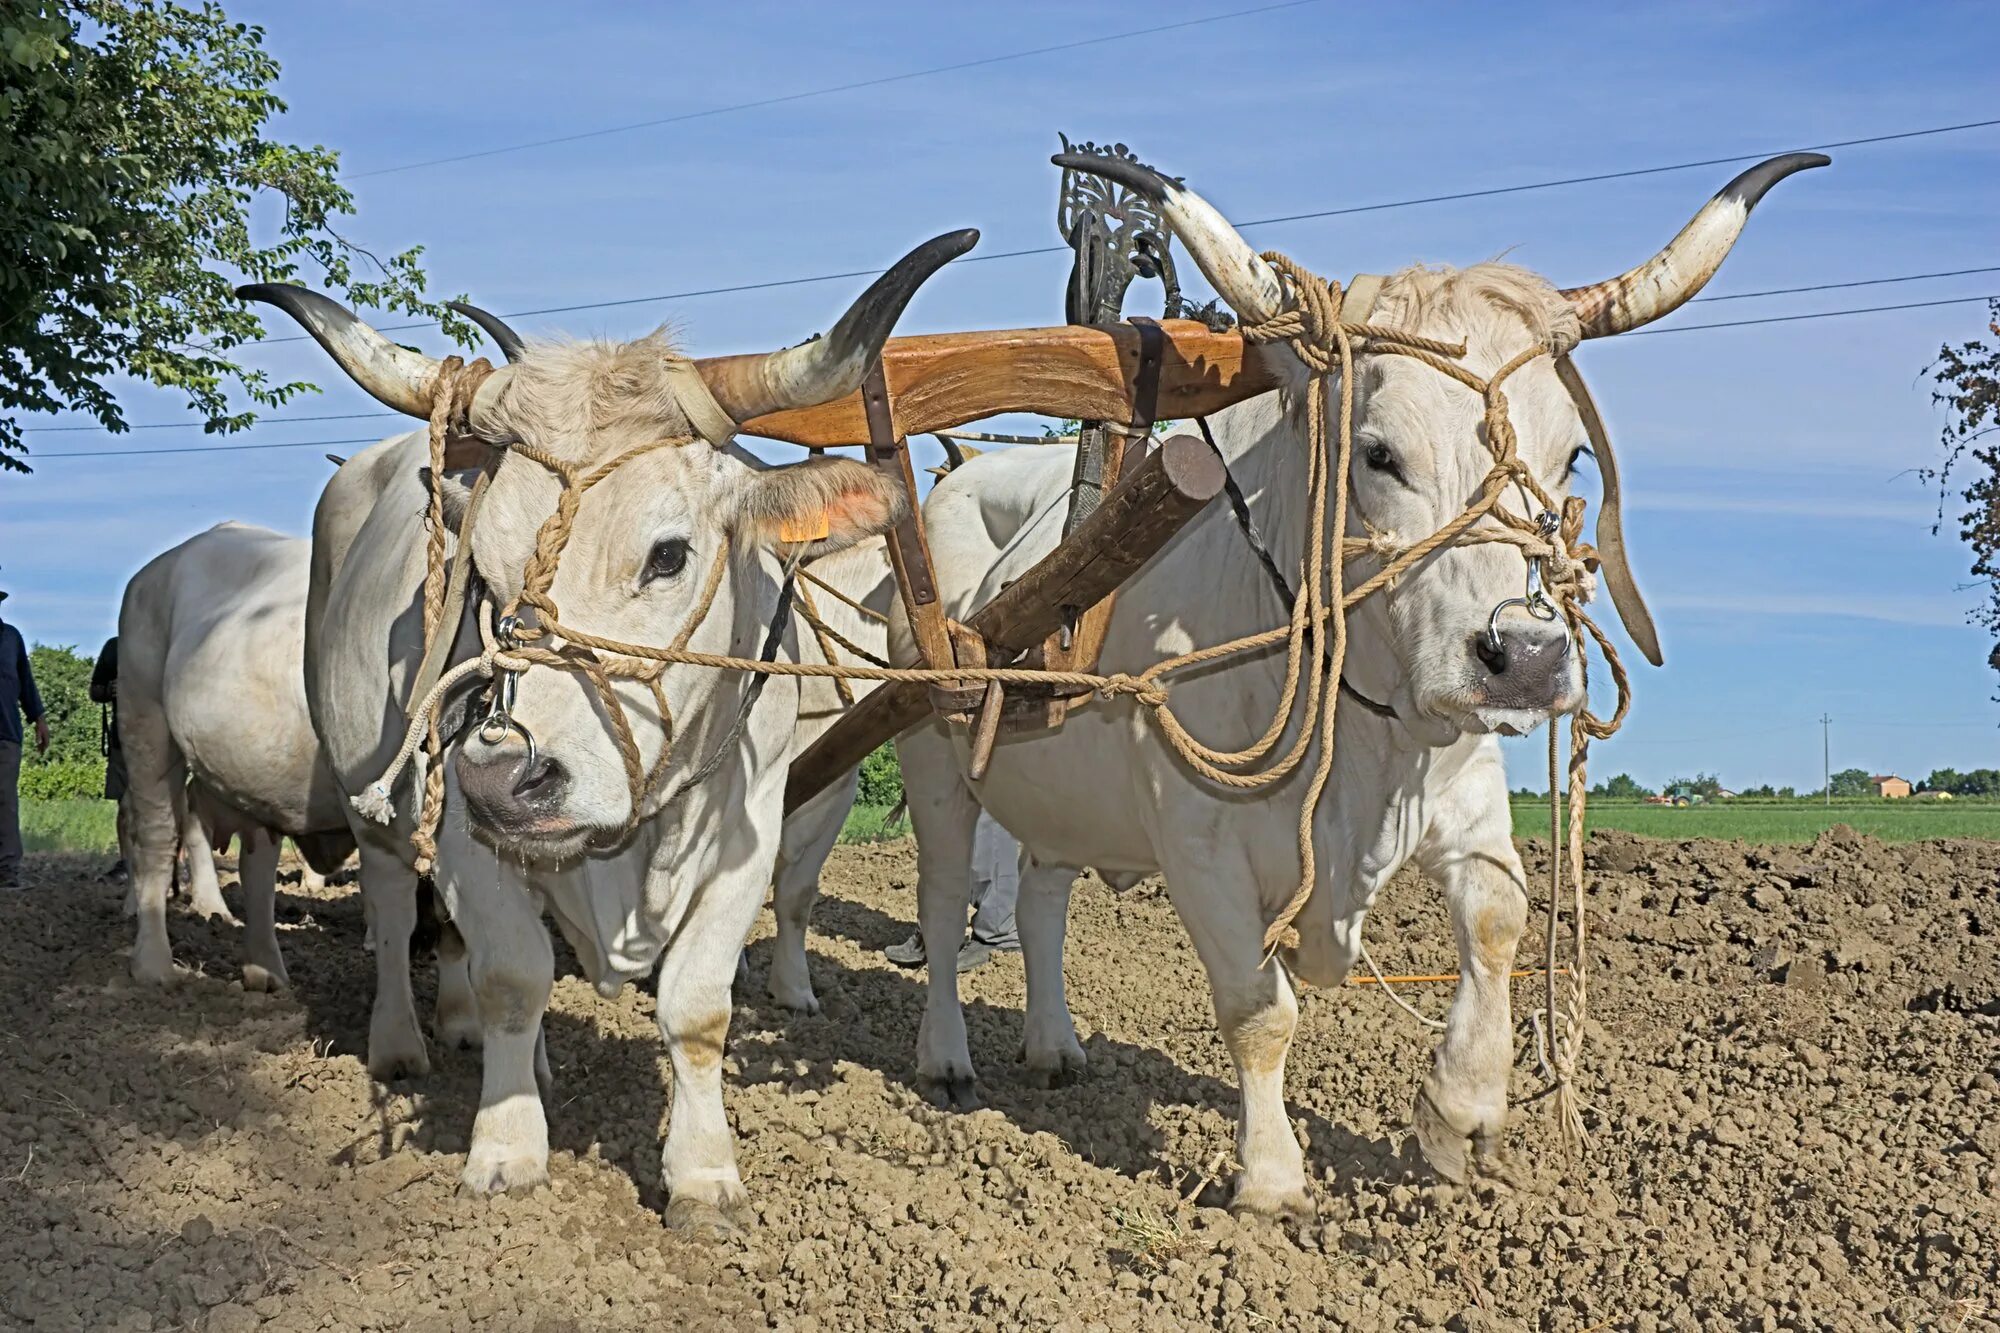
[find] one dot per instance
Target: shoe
(910, 953)
(973, 954)
(117, 874)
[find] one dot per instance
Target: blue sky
(1775, 521)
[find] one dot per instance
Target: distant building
(1887, 785)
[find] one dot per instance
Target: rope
(1316, 632)
(840, 596)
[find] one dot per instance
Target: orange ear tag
(806, 528)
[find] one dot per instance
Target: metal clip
(1536, 599)
(500, 719)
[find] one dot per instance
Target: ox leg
(257, 870)
(389, 894)
(1257, 1012)
(698, 1161)
(944, 815)
(512, 968)
(1469, 850)
(1049, 1044)
(458, 1022)
(155, 771)
(204, 890)
(809, 836)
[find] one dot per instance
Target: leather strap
(1357, 299)
(703, 412)
(441, 642)
(1615, 565)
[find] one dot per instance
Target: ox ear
(457, 497)
(817, 507)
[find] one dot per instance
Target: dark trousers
(10, 812)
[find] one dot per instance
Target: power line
(1687, 328)
(520, 314)
(784, 98)
(211, 448)
(186, 425)
(1254, 222)
(1835, 286)
(1819, 314)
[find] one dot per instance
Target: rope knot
(1150, 693)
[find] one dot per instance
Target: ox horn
(508, 341)
(394, 375)
(831, 367)
(1244, 281)
(1670, 278)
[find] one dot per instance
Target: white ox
(555, 826)
(854, 604)
(1426, 785)
(211, 635)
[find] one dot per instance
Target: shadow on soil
(611, 1087)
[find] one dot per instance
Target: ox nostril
(1491, 652)
(540, 777)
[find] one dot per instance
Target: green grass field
(1778, 821)
(69, 826)
(90, 826)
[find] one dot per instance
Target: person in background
(104, 693)
(18, 699)
(996, 885)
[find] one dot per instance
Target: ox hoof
(460, 1032)
(699, 1217)
(1286, 1205)
(952, 1091)
(800, 1001)
(496, 1173)
(392, 1061)
(1056, 1066)
(216, 912)
(152, 973)
(1448, 1148)
(258, 977)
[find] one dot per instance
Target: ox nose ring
(501, 719)
(1535, 601)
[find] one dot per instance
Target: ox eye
(666, 561)
(1380, 459)
(1577, 455)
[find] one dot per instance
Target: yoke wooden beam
(1170, 486)
(1084, 371)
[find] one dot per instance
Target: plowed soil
(1791, 1073)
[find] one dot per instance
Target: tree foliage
(1977, 782)
(132, 154)
(1704, 784)
(881, 781)
(1969, 380)
(62, 675)
(1622, 787)
(1852, 782)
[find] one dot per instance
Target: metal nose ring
(500, 719)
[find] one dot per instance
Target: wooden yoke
(1089, 372)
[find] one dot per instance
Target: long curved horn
(831, 367)
(1237, 273)
(508, 341)
(1670, 278)
(396, 376)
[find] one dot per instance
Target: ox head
(1419, 457)
(643, 544)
